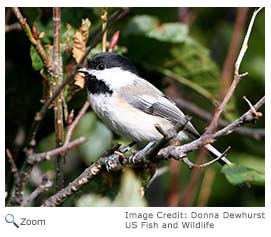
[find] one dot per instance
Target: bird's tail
(215, 153)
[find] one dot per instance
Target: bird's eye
(100, 66)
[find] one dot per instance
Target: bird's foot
(139, 155)
(128, 148)
(114, 161)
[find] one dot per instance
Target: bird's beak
(83, 70)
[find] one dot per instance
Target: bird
(130, 105)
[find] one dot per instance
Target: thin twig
(189, 107)
(11, 27)
(228, 66)
(237, 77)
(45, 184)
(248, 117)
(34, 41)
(38, 157)
(257, 114)
(212, 161)
(245, 42)
(91, 172)
(75, 122)
(34, 158)
(17, 198)
(180, 151)
(13, 166)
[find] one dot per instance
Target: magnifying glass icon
(10, 219)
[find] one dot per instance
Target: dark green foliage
(238, 174)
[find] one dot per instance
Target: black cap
(102, 61)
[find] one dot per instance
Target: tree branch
(35, 41)
(13, 167)
(34, 158)
(75, 122)
(145, 156)
(237, 77)
(181, 151)
(38, 157)
(11, 27)
(45, 184)
(189, 107)
(228, 66)
(102, 164)
(58, 103)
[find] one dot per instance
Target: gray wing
(154, 102)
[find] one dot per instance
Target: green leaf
(256, 67)
(168, 48)
(140, 25)
(99, 137)
(149, 26)
(93, 200)
(239, 174)
(170, 32)
(249, 160)
(129, 194)
(37, 63)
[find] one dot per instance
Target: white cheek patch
(115, 77)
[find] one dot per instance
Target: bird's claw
(112, 163)
(140, 153)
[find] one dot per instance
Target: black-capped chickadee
(130, 105)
